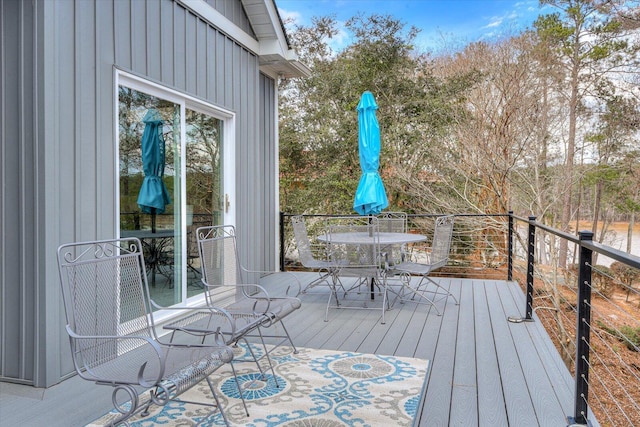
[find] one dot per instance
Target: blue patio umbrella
(370, 197)
(153, 196)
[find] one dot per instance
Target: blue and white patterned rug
(317, 388)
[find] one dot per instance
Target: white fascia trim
(201, 8)
(275, 47)
(281, 39)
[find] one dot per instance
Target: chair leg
(444, 292)
(253, 356)
(215, 396)
(318, 281)
(266, 353)
(332, 294)
(235, 375)
(285, 337)
(217, 405)
(422, 299)
(384, 300)
(333, 287)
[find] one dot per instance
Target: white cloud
(495, 22)
(288, 15)
(342, 39)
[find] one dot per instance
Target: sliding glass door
(174, 162)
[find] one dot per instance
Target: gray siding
(58, 150)
(269, 157)
(234, 12)
(21, 254)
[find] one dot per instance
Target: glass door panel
(204, 187)
(149, 135)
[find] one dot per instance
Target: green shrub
(631, 337)
(628, 335)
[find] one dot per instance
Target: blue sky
(457, 21)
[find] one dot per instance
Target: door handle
(227, 203)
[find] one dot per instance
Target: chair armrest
(261, 299)
(93, 371)
(261, 296)
(182, 323)
(289, 291)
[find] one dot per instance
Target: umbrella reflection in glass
(153, 196)
(370, 196)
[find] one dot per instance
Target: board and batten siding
(58, 118)
(21, 180)
(269, 153)
(234, 12)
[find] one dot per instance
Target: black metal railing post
(510, 246)
(282, 267)
(531, 245)
(583, 331)
(531, 251)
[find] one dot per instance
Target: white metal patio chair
(227, 286)
(227, 294)
(354, 247)
(306, 254)
(113, 335)
(437, 258)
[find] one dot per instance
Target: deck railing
(591, 311)
(606, 335)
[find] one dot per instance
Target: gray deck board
(545, 404)
(465, 391)
(440, 381)
(483, 369)
(491, 407)
(517, 399)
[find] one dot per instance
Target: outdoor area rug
(316, 388)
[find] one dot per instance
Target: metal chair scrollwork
(113, 335)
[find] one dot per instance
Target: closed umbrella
(153, 196)
(370, 196)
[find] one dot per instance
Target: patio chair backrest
(441, 245)
(220, 267)
(303, 243)
(302, 240)
(355, 258)
(105, 294)
(392, 222)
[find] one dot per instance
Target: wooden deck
(484, 370)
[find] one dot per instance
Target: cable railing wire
(613, 398)
(602, 405)
(620, 335)
(606, 365)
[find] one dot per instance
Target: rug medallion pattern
(312, 388)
